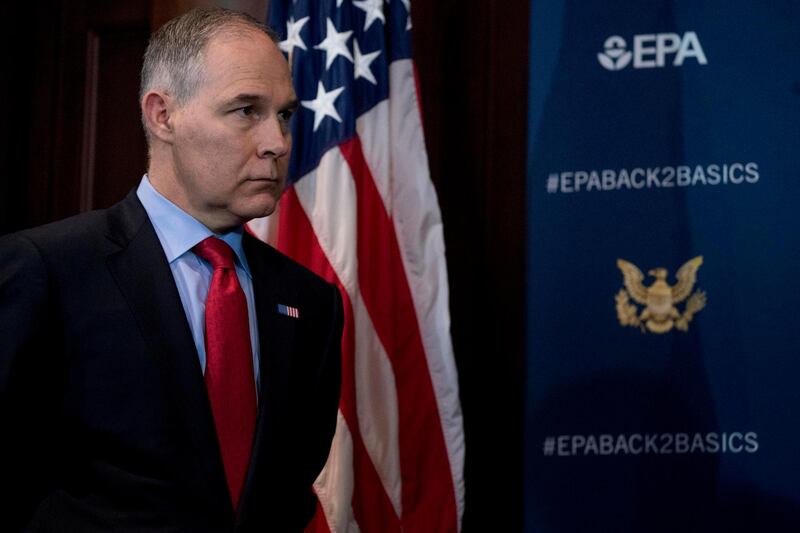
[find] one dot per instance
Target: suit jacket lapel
(276, 339)
(145, 279)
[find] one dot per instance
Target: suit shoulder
(68, 229)
(85, 229)
(284, 264)
(56, 241)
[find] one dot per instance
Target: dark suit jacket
(105, 423)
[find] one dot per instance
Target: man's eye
(285, 115)
(246, 111)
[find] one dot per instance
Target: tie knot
(215, 251)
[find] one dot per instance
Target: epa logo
(651, 51)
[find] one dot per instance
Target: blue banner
(663, 354)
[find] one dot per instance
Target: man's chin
(258, 209)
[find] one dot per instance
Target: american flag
(362, 212)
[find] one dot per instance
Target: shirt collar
(178, 231)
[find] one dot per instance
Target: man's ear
(157, 110)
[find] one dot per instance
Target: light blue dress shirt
(178, 232)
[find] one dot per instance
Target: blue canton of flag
(340, 59)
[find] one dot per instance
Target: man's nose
(273, 137)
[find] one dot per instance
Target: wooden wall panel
(74, 135)
(472, 60)
(114, 148)
(29, 41)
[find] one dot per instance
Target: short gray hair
(173, 61)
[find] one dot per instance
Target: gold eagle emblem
(660, 314)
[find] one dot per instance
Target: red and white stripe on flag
(367, 219)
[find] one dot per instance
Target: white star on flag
(373, 9)
(335, 44)
(293, 38)
(362, 63)
(322, 105)
(407, 3)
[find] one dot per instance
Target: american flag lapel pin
(288, 310)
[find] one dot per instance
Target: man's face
(231, 138)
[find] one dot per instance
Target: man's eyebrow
(244, 98)
(254, 98)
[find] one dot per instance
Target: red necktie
(229, 364)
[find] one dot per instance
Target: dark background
(72, 141)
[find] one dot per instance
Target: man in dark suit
(161, 369)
